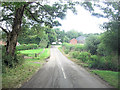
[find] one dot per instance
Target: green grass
(45, 55)
(31, 52)
(15, 77)
(110, 76)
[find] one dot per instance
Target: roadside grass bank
(111, 77)
(15, 77)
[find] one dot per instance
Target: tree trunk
(12, 36)
(11, 43)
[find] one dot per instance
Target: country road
(60, 72)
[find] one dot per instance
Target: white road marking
(63, 72)
(62, 69)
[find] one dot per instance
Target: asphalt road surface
(60, 72)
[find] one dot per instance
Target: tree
(92, 43)
(60, 35)
(44, 41)
(33, 12)
(51, 35)
(72, 34)
(31, 35)
(111, 10)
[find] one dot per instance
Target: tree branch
(33, 16)
(4, 29)
(43, 8)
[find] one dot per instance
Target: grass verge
(31, 52)
(110, 76)
(15, 77)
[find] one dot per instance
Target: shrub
(103, 63)
(68, 46)
(27, 46)
(10, 61)
(84, 56)
(66, 51)
(79, 47)
(96, 62)
(75, 54)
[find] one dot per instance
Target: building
(73, 41)
(4, 43)
(81, 39)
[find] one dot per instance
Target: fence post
(35, 54)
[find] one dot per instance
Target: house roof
(80, 38)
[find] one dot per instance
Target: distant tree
(92, 44)
(44, 41)
(51, 35)
(72, 34)
(60, 35)
(66, 39)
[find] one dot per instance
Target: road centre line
(62, 69)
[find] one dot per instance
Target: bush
(75, 54)
(79, 47)
(68, 46)
(84, 56)
(95, 62)
(10, 61)
(66, 51)
(27, 46)
(103, 63)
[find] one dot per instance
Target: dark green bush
(10, 61)
(79, 47)
(66, 51)
(75, 54)
(27, 46)
(84, 56)
(95, 62)
(103, 63)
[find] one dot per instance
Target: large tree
(111, 11)
(13, 14)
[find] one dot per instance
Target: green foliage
(101, 50)
(79, 47)
(104, 63)
(44, 41)
(75, 54)
(92, 43)
(60, 35)
(72, 34)
(84, 56)
(110, 41)
(11, 61)
(68, 46)
(27, 46)
(66, 51)
(52, 37)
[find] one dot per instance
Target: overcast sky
(82, 22)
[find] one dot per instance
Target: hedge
(27, 46)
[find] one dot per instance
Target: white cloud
(82, 22)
